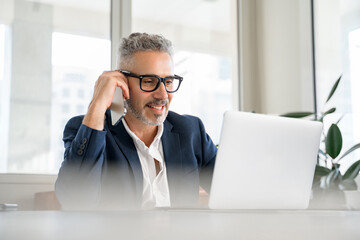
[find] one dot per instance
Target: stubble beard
(159, 118)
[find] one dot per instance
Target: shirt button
(82, 146)
(80, 152)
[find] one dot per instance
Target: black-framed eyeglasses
(150, 82)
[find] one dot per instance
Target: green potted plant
(329, 183)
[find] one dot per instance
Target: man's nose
(161, 92)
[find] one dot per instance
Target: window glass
(4, 93)
(354, 57)
(77, 61)
(56, 50)
(337, 49)
(204, 34)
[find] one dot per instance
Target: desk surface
(180, 224)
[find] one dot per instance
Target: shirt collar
(138, 141)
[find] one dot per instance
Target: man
(153, 157)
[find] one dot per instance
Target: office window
(53, 49)
(354, 56)
(337, 49)
(204, 34)
(80, 109)
(80, 93)
(65, 92)
(51, 46)
(65, 108)
(4, 92)
(77, 61)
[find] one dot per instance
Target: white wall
(277, 60)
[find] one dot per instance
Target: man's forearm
(94, 118)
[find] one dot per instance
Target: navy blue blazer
(102, 170)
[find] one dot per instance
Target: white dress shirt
(155, 187)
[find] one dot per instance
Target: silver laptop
(264, 162)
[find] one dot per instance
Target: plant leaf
(333, 89)
(356, 146)
(297, 114)
(331, 110)
(333, 141)
(321, 171)
(352, 171)
(348, 185)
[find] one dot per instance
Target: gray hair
(137, 42)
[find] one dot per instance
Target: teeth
(159, 108)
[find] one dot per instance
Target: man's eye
(169, 81)
(149, 80)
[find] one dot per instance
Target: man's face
(149, 107)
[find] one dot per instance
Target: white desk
(176, 224)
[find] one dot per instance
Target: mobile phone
(117, 109)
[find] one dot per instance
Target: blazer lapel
(126, 145)
(173, 157)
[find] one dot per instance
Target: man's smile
(156, 107)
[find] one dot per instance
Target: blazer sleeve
(78, 185)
